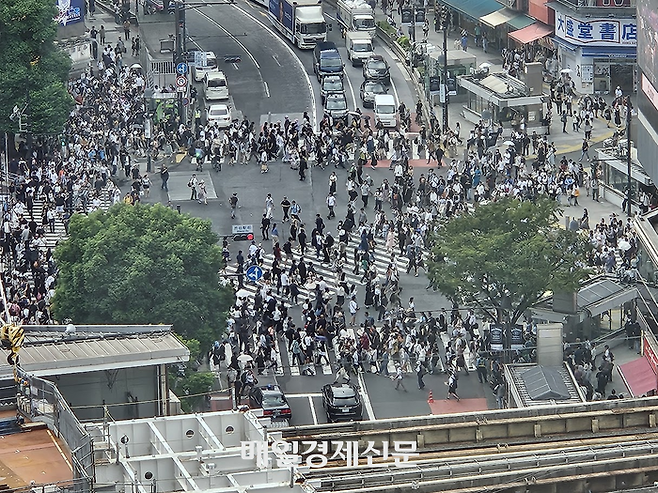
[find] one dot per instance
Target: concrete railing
(593, 418)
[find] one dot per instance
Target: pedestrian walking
(399, 377)
(563, 118)
(202, 193)
(420, 373)
(164, 176)
(126, 29)
(192, 185)
(452, 385)
(343, 375)
(233, 202)
(584, 151)
(331, 203)
(481, 368)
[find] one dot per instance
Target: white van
(359, 47)
(215, 85)
(386, 110)
(204, 63)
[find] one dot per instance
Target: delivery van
(386, 110)
(359, 47)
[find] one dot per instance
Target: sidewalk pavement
(564, 143)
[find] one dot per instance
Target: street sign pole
(444, 75)
(178, 52)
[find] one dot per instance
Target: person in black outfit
(265, 227)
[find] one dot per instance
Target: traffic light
(243, 237)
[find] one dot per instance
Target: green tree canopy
(31, 63)
(504, 256)
(142, 265)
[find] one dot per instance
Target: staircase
(52, 239)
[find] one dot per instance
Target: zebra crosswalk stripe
(381, 256)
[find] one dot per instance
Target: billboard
(70, 12)
(647, 43)
(596, 32)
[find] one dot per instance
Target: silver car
(370, 89)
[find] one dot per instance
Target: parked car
(272, 400)
(376, 68)
(219, 114)
(370, 89)
(341, 401)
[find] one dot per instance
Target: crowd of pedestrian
(51, 179)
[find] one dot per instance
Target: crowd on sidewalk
(52, 179)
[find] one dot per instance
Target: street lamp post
(629, 195)
(444, 75)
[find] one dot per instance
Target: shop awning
(639, 376)
(495, 19)
(520, 21)
(531, 33)
(474, 9)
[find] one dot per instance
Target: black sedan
(272, 400)
(341, 402)
(376, 68)
(370, 89)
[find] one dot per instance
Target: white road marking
(244, 48)
(267, 89)
(366, 398)
(395, 91)
(349, 84)
(313, 413)
(313, 112)
(276, 59)
(236, 66)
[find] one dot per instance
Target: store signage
(596, 32)
(69, 12)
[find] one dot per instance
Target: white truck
(355, 15)
(359, 47)
(300, 21)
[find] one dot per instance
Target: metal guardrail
(40, 401)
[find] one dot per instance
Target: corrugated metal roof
(60, 354)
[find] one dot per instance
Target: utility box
(549, 344)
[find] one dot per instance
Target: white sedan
(219, 114)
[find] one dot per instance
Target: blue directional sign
(254, 273)
(181, 68)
